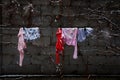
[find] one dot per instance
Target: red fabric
(59, 45)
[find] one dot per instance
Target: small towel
(31, 33)
(83, 33)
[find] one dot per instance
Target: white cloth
(31, 33)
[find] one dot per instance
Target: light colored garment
(83, 33)
(26, 34)
(21, 45)
(69, 36)
(31, 33)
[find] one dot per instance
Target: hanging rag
(69, 36)
(31, 33)
(83, 33)
(21, 45)
(26, 34)
(59, 45)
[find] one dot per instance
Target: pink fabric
(69, 36)
(21, 45)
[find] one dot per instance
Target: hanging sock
(83, 33)
(21, 45)
(69, 36)
(59, 45)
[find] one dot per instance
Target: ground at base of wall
(65, 78)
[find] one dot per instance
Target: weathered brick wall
(94, 55)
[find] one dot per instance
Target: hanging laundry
(21, 45)
(59, 45)
(69, 36)
(31, 33)
(26, 34)
(83, 33)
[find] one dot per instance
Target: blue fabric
(31, 33)
(83, 33)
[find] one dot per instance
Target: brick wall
(94, 55)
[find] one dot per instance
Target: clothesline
(64, 26)
(3, 28)
(18, 28)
